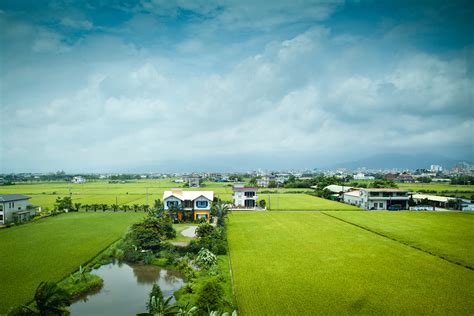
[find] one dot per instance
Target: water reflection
(126, 289)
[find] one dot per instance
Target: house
(337, 191)
(434, 200)
(264, 181)
(199, 202)
(78, 180)
(245, 196)
(361, 176)
(15, 207)
(378, 199)
(193, 182)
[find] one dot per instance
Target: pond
(126, 289)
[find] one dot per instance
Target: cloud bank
(168, 86)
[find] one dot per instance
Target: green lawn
(179, 228)
(303, 202)
(52, 248)
(447, 234)
(301, 263)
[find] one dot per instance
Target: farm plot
(52, 248)
(303, 202)
(290, 263)
(446, 234)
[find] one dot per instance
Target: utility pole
(269, 208)
(147, 196)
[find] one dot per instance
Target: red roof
(245, 189)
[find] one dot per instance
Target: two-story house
(245, 196)
(15, 207)
(199, 202)
(378, 199)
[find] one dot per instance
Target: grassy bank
(51, 249)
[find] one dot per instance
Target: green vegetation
(52, 248)
(179, 228)
(303, 202)
(446, 234)
(310, 263)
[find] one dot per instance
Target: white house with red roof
(245, 196)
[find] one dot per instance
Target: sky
(151, 85)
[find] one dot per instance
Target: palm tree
(135, 207)
(95, 207)
(103, 207)
(77, 206)
(220, 210)
(49, 300)
(86, 207)
(115, 207)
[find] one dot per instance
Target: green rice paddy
(291, 263)
(52, 248)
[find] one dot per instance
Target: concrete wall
(9, 208)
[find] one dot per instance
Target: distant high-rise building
(436, 168)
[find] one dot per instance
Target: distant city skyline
(132, 86)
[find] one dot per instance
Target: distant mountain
(399, 161)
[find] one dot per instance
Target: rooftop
(245, 189)
(13, 197)
(188, 195)
(384, 190)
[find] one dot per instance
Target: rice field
(301, 263)
(303, 202)
(447, 234)
(52, 248)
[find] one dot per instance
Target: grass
(446, 234)
(53, 248)
(303, 202)
(179, 228)
(289, 263)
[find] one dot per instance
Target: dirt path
(189, 232)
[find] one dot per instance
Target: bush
(210, 296)
(206, 259)
(204, 230)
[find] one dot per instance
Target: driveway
(189, 232)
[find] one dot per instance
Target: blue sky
(232, 85)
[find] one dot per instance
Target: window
(172, 203)
(1, 208)
(387, 194)
(201, 204)
(249, 194)
(1, 218)
(381, 205)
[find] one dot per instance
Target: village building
(199, 202)
(15, 208)
(78, 180)
(378, 199)
(245, 197)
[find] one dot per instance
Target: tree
(262, 203)
(204, 230)
(157, 305)
(210, 296)
(115, 207)
(103, 207)
(135, 207)
(77, 206)
(49, 299)
(220, 209)
(272, 184)
(64, 203)
(253, 181)
(95, 207)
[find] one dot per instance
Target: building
(264, 181)
(244, 196)
(193, 182)
(378, 199)
(78, 180)
(15, 207)
(436, 168)
(361, 176)
(434, 200)
(199, 202)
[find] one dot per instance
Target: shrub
(204, 230)
(205, 258)
(210, 296)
